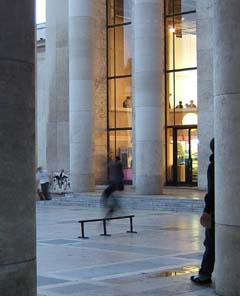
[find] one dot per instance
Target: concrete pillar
(205, 85)
(81, 24)
(227, 144)
(148, 82)
(17, 149)
(57, 73)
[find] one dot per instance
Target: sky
(41, 11)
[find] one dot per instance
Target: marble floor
(157, 260)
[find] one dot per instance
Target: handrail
(104, 224)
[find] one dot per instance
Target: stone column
(148, 82)
(17, 148)
(57, 73)
(227, 144)
(205, 86)
(81, 23)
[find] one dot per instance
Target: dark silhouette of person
(191, 104)
(207, 220)
(116, 182)
(180, 105)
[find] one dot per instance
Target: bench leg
(82, 231)
(131, 226)
(105, 229)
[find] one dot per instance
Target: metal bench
(105, 226)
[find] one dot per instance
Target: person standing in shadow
(207, 220)
(116, 182)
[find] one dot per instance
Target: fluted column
(227, 144)
(81, 94)
(148, 82)
(57, 73)
(17, 148)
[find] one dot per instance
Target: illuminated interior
(181, 88)
(120, 83)
(181, 92)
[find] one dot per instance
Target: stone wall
(100, 72)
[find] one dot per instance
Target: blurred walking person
(116, 183)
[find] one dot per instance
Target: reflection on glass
(121, 145)
(179, 6)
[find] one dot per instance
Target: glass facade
(120, 83)
(181, 91)
(181, 88)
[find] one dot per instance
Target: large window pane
(123, 103)
(111, 103)
(169, 155)
(123, 11)
(170, 102)
(120, 102)
(181, 42)
(179, 6)
(181, 98)
(111, 53)
(123, 50)
(169, 43)
(110, 12)
(186, 88)
(185, 41)
(194, 154)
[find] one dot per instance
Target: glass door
(184, 158)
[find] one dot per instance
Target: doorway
(182, 156)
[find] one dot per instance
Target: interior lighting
(172, 30)
(190, 118)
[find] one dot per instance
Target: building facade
(140, 75)
(154, 93)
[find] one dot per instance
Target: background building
(144, 93)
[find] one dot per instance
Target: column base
(18, 279)
(149, 185)
(227, 269)
(82, 183)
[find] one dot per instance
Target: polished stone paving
(157, 260)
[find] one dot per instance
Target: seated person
(191, 104)
(127, 103)
(180, 105)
